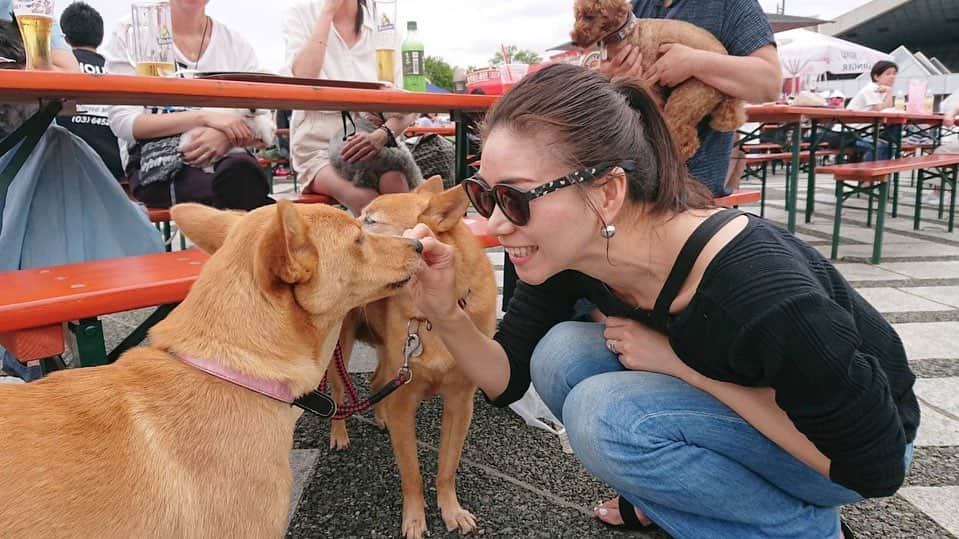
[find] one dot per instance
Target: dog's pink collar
(270, 388)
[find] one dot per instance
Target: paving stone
(936, 429)
(854, 271)
(930, 339)
(924, 270)
(892, 251)
(948, 295)
(891, 300)
(943, 393)
(940, 503)
(302, 463)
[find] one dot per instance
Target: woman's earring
(608, 231)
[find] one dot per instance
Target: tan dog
(435, 371)
(153, 447)
(611, 23)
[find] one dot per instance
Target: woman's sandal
(627, 512)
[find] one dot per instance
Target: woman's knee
(393, 182)
(559, 349)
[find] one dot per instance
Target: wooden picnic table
(53, 89)
(795, 117)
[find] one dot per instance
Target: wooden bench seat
(34, 303)
(872, 178)
(441, 131)
(305, 198)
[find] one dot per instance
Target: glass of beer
(385, 40)
(35, 18)
(153, 39)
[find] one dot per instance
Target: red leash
(355, 404)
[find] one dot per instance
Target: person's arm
(307, 41)
(499, 366)
(950, 117)
(64, 60)
(756, 78)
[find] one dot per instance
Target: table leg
(880, 222)
(793, 187)
(462, 144)
(811, 184)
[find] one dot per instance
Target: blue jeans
(682, 457)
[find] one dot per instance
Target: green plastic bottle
(414, 61)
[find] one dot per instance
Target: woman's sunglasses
(514, 203)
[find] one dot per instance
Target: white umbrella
(805, 53)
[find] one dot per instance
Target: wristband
(390, 137)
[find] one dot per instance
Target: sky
(462, 32)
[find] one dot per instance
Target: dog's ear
(431, 186)
(288, 251)
(445, 209)
(205, 226)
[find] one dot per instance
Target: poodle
(610, 22)
(367, 173)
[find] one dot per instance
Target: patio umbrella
(805, 53)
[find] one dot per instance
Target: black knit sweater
(770, 312)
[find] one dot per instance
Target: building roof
(928, 26)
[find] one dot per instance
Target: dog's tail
(728, 115)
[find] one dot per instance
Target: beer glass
(35, 18)
(385, 39)
(153, 39)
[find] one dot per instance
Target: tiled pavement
(519, 483)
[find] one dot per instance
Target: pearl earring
(608, 231)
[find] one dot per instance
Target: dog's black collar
(619, 35)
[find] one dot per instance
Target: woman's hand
(364, 146)
(627, 66)
(433, 288)
(676, 63)
(643, 349)
(231, 125)
(206, 146)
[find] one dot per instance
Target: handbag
(159, 160)
(435, 155)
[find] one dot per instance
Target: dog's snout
(417, 246)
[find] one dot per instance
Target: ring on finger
(611, 346)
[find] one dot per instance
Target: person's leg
(328, 182)
(394, 181)
(238, 183)
(568, 354)
(691, 464)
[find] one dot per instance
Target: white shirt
(226, 51)
(867, 98)
(312, 130)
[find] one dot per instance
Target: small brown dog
(611, 22)
(386, 323)
(154, 447)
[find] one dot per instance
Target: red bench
(872, 178)
(37, 302)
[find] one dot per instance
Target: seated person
(83, 29)
(877, 96)
(333, 39)
(61, 58)
(236, 181)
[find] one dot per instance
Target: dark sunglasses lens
(514, 205)
(481, 198)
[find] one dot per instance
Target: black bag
(435, 155)
(159, 160)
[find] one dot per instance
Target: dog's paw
(414, 526)
(459, 519)
(339, 438)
